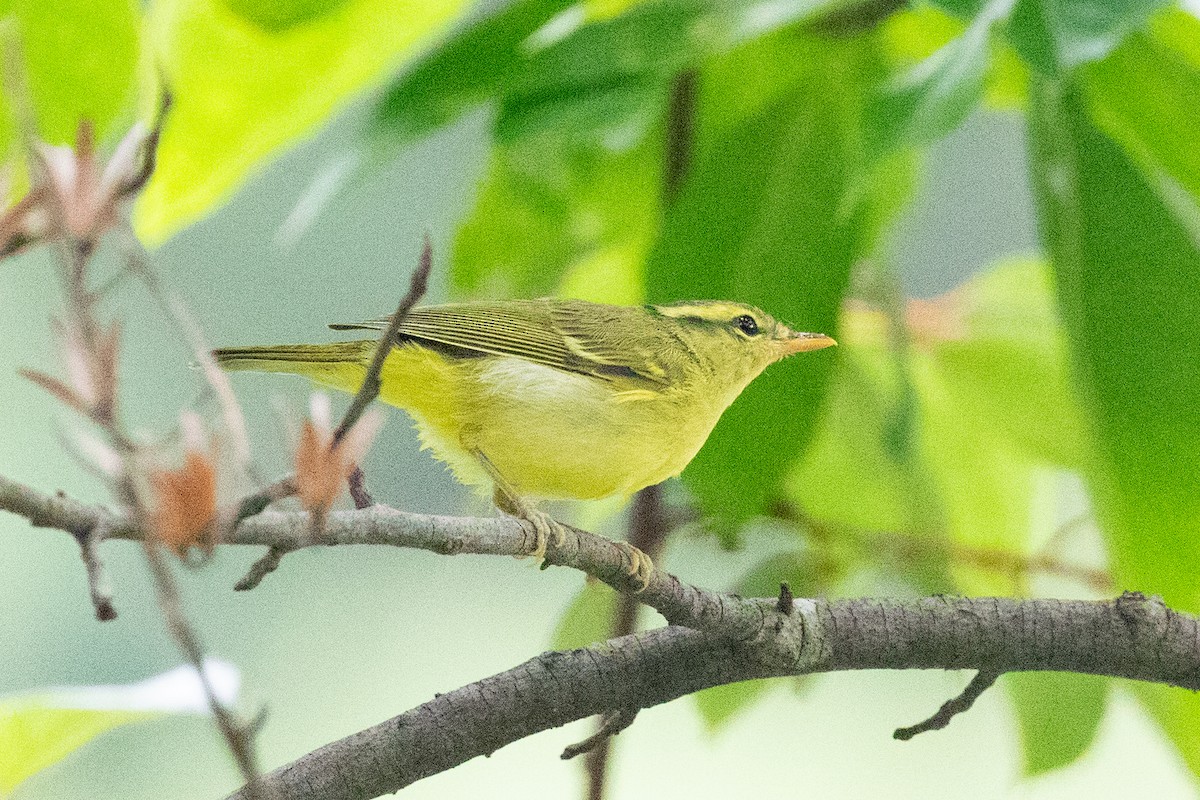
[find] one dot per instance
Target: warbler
(542, 399)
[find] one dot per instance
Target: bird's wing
(527, 329)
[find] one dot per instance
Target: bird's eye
(746, 324)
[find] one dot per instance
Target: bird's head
(738, 341)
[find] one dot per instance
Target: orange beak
(804, 343)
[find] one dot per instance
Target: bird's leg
(507, 500)
(641, 566)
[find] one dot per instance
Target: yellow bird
(556, 398)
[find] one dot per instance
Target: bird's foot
(545, 528)
(641, 566)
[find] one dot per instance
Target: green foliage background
(929, 453)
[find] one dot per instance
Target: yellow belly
(552, 434)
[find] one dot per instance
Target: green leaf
(1128, 271)
(1179, 30)
(806, 573)
(34, 735)
(242, 93)
(951, 442)
(1062, 34)
(476, 65)
(552, 210)
(607, 81)
(766, 206)
(40, 729)
(1058, 714)
(1178, 714)
(81, 56)
(935, 96)
(589, 618)
(1144, 96)
(279, 15)
(718, 705)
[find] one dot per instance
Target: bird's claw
(641, 566)
(545, 527)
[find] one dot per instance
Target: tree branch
(951, 708)
(1132, 637)
(726, 639)
(719, 614)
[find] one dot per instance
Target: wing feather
(540, 331)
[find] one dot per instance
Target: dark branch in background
(648, 526)
(951, 708)
(892, 547)
(1132, 637)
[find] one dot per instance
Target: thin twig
(357, 482)
(610, 726)
(238, 737)
(99, 589)
(369, 389)
(367, 392)
(262, 568)
(951, 708)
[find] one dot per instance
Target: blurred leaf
(607, 81)
(477, 64)
(1002, 357)
(589, 618)
(550, 208)
(765, 207)
(914, 34)
(1058, 714)
(936, 95)
(597, 74)
(949, 444)
(279, 15)
(242, 93)
(1178, 29)
(805, 573)
(1144, 96)
(1178, 714)
(718, 705)
(39, 730)
(1128, 275)
(963, 9)
(1129, 282)
(1007, 83)
(81, 56)
(34, 735)
(1054, 34)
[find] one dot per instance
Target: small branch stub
(784, 604)
(613, 724)
(951, 708)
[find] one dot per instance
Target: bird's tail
(291, 358)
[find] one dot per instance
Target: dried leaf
(323, 465)
(185, 504)
(71, 195)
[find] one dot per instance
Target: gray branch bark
(713, 639)
(1131, 637)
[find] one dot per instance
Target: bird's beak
(804, 343)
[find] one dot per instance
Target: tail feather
(301, 359)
